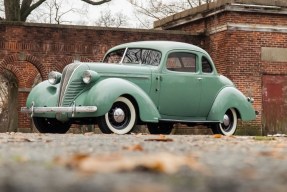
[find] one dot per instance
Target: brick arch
(60, 65)
(16, 71)
(22, 80)
(23, 57)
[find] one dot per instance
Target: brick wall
(28, 49)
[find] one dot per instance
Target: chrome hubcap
(226, 120)
(119, 115)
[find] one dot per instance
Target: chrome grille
(74, 88)
(65, 97)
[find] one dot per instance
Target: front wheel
(121, 118)
(50, 125)
(228, 127)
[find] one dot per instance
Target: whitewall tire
(229, 124)
(121, 118)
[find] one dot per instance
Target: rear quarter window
(181, 62)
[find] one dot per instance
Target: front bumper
(74, 109)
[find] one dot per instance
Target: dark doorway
(274, 117)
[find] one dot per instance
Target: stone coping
(217, 5)
(132, 30)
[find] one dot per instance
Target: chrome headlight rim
(87, 77)
(54, 77)
(90, 76)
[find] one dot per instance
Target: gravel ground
(95, 162)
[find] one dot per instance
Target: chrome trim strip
(188, 121)
(121, 62)
(73, 109)
(125, 76)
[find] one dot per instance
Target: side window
(142, 56)
(206, 66)
(115, 56)
(132, 56)
(182, 62)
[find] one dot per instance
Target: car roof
(163, 46)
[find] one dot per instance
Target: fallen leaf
(136, 147)
(162, 162)
(17, 138)
(89, 133)
(161, 138)
(217, 136)
(277, 154)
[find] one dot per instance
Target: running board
(187, 121)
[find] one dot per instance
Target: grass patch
(263, 138)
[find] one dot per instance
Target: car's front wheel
(121, 118)
(229, 124)
(50, 125)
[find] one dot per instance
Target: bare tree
(53, 11)
(8, 99)
(107, 19)
(157, 9)
(3, 104)
(19, 10)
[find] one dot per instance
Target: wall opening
(8, 102)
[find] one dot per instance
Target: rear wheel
(228, 127)
(160, 128)
(121, 118)
(50, 125)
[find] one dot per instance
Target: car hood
(113, 69)
(137, 74)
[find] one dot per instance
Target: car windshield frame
(134, 56)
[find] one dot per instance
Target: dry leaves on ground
(275, 153)
(217, 136)
(19, 138)
(160, 138)
(136, 147)
(162, 162)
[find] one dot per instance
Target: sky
(90, 13)
(94, 11)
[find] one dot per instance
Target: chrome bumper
(73, 109)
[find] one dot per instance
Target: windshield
(134, 56)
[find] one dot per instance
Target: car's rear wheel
(50, 125)
(160, 128)
(121, 118)
(229, 125)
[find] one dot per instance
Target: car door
(210, 85)
(180, 89)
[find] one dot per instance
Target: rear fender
(104, 93)
(230, 97)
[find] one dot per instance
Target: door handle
(199, 78)
(158, 78)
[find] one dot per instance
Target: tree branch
(26, 13)
(97, 2)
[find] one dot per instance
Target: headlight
(90, 76)
(54, 77)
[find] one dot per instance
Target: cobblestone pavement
(95, 162)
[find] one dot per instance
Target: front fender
(104, 93)
(230, 97)
(43, 95)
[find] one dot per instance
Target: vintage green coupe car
(157, 83)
